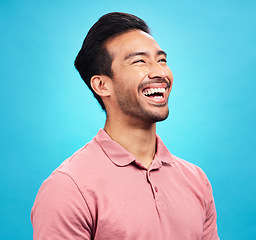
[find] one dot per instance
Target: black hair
(93, 58)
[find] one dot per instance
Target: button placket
(151, 185)
(154, 188)
(159, 201)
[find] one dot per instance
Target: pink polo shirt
(102, 192)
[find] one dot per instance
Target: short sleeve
(60, 210)
(210, 225)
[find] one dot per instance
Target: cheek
(134, 77)
(169, 71)
(128, 80)
(169, 74)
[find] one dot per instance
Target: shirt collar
(162, 153)
(121, 157)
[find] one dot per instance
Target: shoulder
(83, 155)
(177, 163)
(192, 173)
(84, 162)
(81, 170)
(187, 167)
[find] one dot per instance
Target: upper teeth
(150, 91)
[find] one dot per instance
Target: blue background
(47, 112)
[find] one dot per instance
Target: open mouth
(156, 93)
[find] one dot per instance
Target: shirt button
(156, 189)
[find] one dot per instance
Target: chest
(142, 205)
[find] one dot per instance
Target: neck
(137, 138)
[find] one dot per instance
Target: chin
(161, 118)
(157, 117)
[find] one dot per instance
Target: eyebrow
(133, 54)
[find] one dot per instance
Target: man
(125, 184)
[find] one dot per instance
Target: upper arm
(210, 225)
(60, 210)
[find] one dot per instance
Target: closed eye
(163, 60)
(139, 61)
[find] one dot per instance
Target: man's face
(142, 80)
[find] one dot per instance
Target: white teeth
(150, 91)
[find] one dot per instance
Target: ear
(102, 85)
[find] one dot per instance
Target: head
(94, 58)
(138, 92)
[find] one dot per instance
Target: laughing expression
(142, 80)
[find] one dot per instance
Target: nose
(156, 71)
